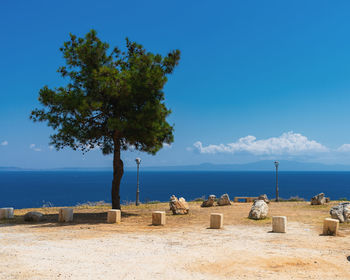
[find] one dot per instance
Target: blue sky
(257, 79)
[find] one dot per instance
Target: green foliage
(111, 96)
(343, 199)
(296, 198)
(153, 202)
(199, 199)
(291, 199)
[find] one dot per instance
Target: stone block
(6, 213)
(158, 218)
(330, 226)
(279, 224)
(65, 215)
(216, 220)
(114, 216)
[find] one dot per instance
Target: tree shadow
(322, 234)
(156, 226)
(51, 220)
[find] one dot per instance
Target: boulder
(319, 199)
(264, 198)
(33, 216)
(210, 202)
(259, 210)
(341, 212)
(224, 200)
(178, 206)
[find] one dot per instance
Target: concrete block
(6, 213)
(279, 224)
(65, 215)
(216, 220)
(114, 216)
(158, 218)
(330, 226)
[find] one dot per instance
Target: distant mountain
(10, 168)
(5, 168)
(265, 165)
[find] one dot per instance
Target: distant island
(265, 165)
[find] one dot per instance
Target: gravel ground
(47, 251)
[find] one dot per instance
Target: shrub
(153, 202)
(199, 199)
(296, 198)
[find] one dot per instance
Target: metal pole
(138, 186)
(276, 183)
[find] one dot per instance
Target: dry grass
(136, 218)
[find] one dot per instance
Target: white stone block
(65, 215)
(216, 220)
(279, 224)
(158, 218)
(6, 213)
(330, 226)
(114, 216)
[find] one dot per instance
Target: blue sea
(65, 188)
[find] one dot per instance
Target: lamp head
(138, 160)
(276, 163)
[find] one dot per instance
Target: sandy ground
(183, 249)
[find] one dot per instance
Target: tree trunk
(118, 171)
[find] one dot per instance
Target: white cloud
(344, 148)
(4, 143)
(289, 143)
(166, 146)
(34, 148)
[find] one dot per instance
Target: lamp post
(138, 161)
(276, 164)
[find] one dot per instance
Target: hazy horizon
(253, 166)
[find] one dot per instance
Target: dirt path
(235, 252)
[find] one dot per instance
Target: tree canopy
(113, 100)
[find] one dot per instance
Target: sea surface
(24, 189)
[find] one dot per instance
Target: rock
(259, 210)
(209, 202)
(178, 206)
(264, 198)
(184, 203)
(341, 212)
(33, 217)
(224, 200)
(319, 199)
